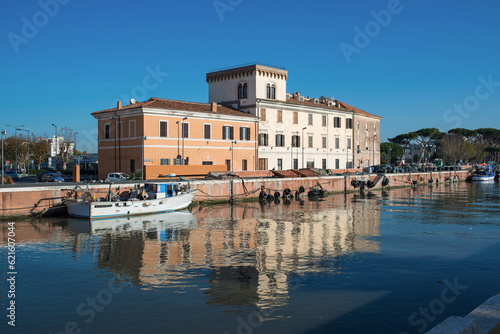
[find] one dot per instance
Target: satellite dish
(132, 101)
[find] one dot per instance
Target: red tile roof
(338, 106)
(157, 103)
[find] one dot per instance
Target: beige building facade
(295, 131)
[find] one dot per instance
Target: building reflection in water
(241, 256)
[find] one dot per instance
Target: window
(349, 123)
(295, 141)
(310, 164)
(164, 161)
(271, 91)
(310, 140)
(263, 114)
(107, 128)
(280, 140)
(132, 165)
(295, 117)
(262, 139)
(349, 142)
(227, 132)
(244, 133)
(337, 122)
(358, 164)
(323, 163)
(280, 164)
(163, 129)
(323, 120)
(131, 129)
(242, 91)
(280, 116)
(207, 131)
(295, 163)
(228, 165)
(323, 140)
(366, 144)
(207, 163)
(310, 119)
(337, 164)
(185, 130)
(357, 145)
(337, 142)
(374, 129)
(357, 126)
(262, 164)
(244, 165)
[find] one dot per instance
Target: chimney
(214, 107)
(119, 104)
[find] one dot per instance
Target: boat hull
(101, 210)
(482, 178)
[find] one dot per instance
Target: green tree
(404, 140)
(390, 152)
(426, 137)
(39, 149)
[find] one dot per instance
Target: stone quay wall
(35, 199)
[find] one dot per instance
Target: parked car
(51, 177)
(12, 173)
(117, 177)
(42, 173)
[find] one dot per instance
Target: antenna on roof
(132, 101)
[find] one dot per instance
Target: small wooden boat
(154, 197)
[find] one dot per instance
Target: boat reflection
(161, 223)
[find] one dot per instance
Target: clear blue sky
(413, 68)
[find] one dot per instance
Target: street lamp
(182, 126)
(28, 147)
(232, 154)
(303, 143)
(3, 134)
(57, 146)
(115, 142)
(15, 135)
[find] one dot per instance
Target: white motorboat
(154, 197)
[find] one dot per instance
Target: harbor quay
(42, 199)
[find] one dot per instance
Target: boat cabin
(158, 190)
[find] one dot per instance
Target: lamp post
(15, 135)
(57, 145)
(182, 126)
(303, 143)
(28, 147)
(178, 138)
(3, 134)
(115, 142)
(232, 154)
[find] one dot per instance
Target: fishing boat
(163, 225)
(483, 173)
(154, 197)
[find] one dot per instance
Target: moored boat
(154, 197)
(483, 173)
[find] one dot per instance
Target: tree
(39, 149)
(390, 152)
(404, 140)
(425, 137)
(66, 148)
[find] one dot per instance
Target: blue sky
(421, 64)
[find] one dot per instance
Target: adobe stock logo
(372, 29)
(222, 6)
(30, 28)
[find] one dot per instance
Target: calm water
(385, 262)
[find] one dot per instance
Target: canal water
(397, 261)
